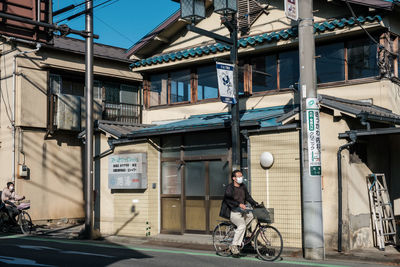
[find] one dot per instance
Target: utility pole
(313, 233)
(89, 120)
(235, 125)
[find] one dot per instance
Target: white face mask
(11, 188)
(239, 180)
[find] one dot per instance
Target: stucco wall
(130, 212)
(55, 186)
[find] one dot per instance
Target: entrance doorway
(205, 183)
(192, 195)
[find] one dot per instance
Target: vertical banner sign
(127, 171)
(225, 83)
(313, 135)
(291, 9)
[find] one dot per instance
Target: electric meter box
(23, 171)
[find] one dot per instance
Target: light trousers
(241, 221)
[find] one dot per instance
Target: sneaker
(235, 251)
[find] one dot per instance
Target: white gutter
(38, 46)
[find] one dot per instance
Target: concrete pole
(235, 107)
(89, 121)
(313, 234)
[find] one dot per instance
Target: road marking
(74, 242)
(21, 261)
(63, 251)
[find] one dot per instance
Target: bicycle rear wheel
(25, 222)
(268, 243)
(222, 238)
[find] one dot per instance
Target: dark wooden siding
(27, 9)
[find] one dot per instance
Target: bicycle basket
(264, 215)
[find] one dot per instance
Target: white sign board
(292, 9)
(313, 134)
(127, 171)
(225, 82)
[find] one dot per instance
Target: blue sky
(120, 22)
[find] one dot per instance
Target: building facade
(188, 143)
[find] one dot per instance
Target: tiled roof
(99, 50)
(252, 41)
(262, 117)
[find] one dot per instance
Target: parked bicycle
(23, 221)
(266, 239)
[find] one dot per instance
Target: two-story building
(186, 154)
(42, 108)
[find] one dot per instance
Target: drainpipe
(339, 162)
(246, 136)
(14, 73)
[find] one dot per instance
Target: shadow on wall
(135, 214)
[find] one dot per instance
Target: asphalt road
(17, 250)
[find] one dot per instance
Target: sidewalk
(390, 256)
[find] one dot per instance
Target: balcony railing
(128, 113)
(67, 112)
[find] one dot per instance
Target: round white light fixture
(266, 159)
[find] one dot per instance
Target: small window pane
(158, 89)
(112, 93)
(207, 82)
(171, 178)
(219, 177)
(362, 59)
(180, 86)
(288, 68)
(97, 89)
(55, 83)
(330, 62)
(261, 81)
(195, 175)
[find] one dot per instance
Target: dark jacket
(229, 203)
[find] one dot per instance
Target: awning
(262, 117)
(359, 109)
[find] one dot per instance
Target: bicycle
(24, 221)
(267, 239)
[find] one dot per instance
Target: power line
(84, 10)
(115, 30)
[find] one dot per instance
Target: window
(180, 86)
(158, 89)
(288, 68)
(362, 59)
(262, 66)
(207, 82)
(70, 86)
(330, 62)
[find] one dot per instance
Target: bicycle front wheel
(25, 222)
(222, 238)
(268, 243)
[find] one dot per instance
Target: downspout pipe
(246, 136)
(339, 164)
(14, 74)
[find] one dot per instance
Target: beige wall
(130, 212)
(55, 186)
(279, 186)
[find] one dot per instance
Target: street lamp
(224, 7)
(190, 9)
(193, 10)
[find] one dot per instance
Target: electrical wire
(78, 14)
(115, 30)
(365, 30)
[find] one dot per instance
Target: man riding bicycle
(10, 198)
(233, 207)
